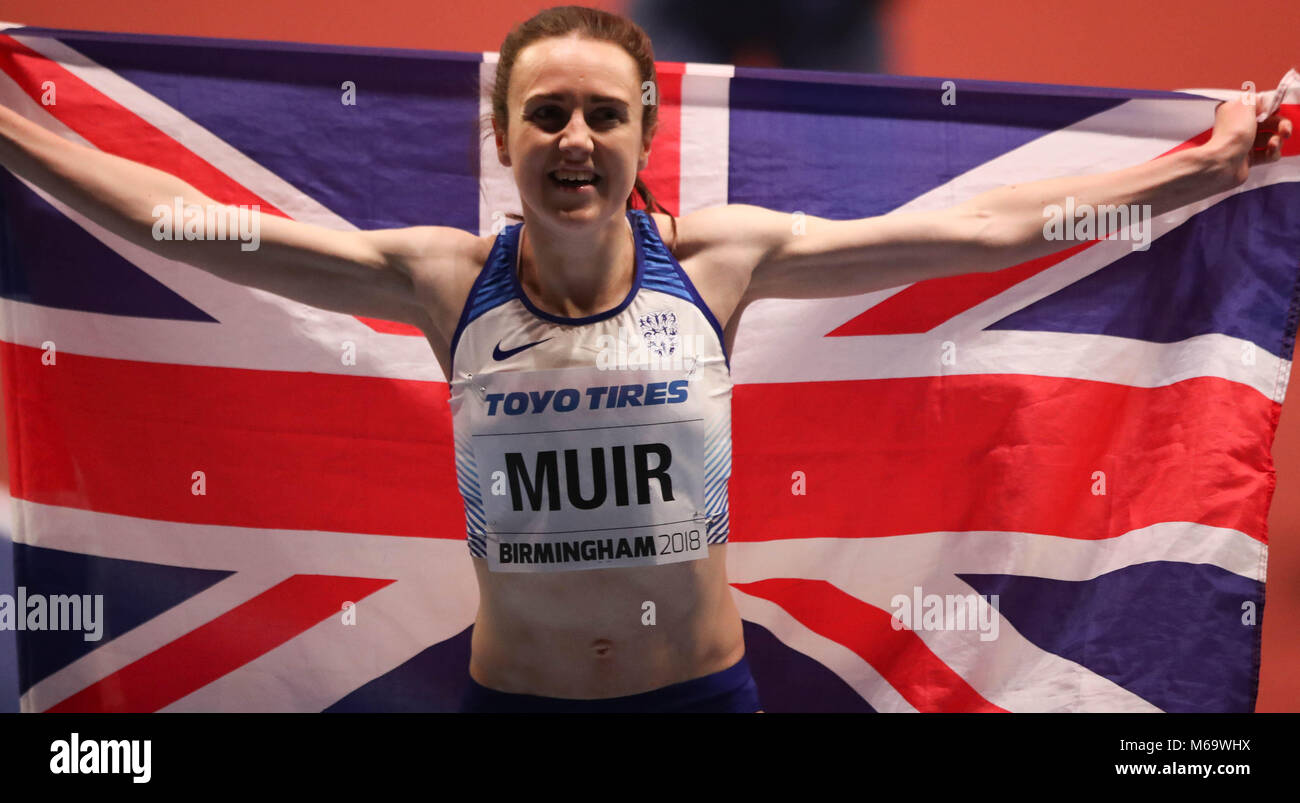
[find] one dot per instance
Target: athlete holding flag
(595, 497)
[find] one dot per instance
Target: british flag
(264, 492)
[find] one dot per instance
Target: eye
(609, 114)
(552, 117)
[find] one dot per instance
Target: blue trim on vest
(665, 274)
(656, 269)
(491, 288)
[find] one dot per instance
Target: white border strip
(705, 136)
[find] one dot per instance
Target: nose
(575, 139)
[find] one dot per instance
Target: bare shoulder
(719, 246)
(727, 226)
(441, 263)
(421, 248)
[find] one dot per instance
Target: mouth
(574, 180)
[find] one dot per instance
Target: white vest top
(596, 442)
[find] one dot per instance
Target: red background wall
(1154, 45)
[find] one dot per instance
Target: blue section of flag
(434, 680)
(841, 135)
(790, 682)
(1197, 279)
(8, 638)
(133, 592)
(405, 154)
(1171, 633)
(47, 259)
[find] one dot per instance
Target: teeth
(572, 176)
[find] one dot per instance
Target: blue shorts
(731, 691)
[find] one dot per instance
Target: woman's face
(576, 104)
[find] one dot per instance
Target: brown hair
(594, 24)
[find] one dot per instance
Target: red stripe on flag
(359, 454)
(1291, 111)
(663, 173)
(390, 327)
(277, 449)
(925, 305)
(115, 129)
(900, 656)
(221, 646)
(998, 452)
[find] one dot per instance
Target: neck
(576, 274)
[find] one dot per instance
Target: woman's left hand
(1239, 143)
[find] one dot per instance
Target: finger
(1267, 139)
(1278, 124)
(1268, 144)
(1273, 151)
(1270, 152)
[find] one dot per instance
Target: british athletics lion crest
(659, 332)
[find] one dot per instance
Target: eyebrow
(563, 96)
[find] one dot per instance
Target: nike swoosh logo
(498, 354)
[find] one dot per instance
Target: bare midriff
(588, 634)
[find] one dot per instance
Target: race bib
(583, 475)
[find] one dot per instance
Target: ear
(644, 159)
(503, 154)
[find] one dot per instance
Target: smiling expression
(575, 108)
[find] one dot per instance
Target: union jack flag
(1083, 439)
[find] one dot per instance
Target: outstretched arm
(371, 273)
(785, 256)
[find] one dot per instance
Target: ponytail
(652, 205)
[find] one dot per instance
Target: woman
(595, 491)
